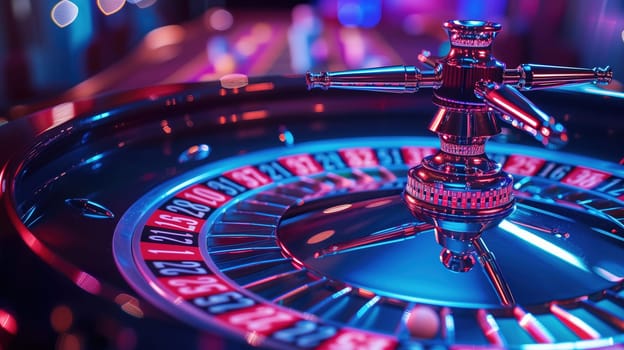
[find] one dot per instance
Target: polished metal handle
(395, 79)
(409, 79)
(522, 113)
(539, 76)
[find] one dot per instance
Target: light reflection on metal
(448, 329)
(8, 322)
(608, 275)
(337, 208)
(490, 328)
(63, 112)
(530, 324)
(381, 237)
(494, 272)
(543, 245)
(575, 324)
(87, 282)
(254, 115)
(3, 181)
(109, 7)
(93, 159)
(286, 137)
(335, 296)
(64, 13)
(266, 86)
(157, 289)
(378, 203)
(554, 231)
(374, 299)
(100, 116)
(90, 209)
(194, 153)
(424, 57)
(254, 338)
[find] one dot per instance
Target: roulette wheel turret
(258, 213)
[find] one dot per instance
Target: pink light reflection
(8, 322)
(219, 19)
(575, 324)
(88, 283)
(514, 111)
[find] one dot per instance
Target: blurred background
(54, 51)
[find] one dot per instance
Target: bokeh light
(8, 322)
(414, 24)
(68, 342)
(234, 80)
(142, 3)
(165, 36)
(64, 13)
(108, 7)
(21, 9)
(262, 32)
(61, 318)
(359, 13)
(126, 339)
(220, 19)
(225, 64)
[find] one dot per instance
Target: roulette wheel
(252, 212)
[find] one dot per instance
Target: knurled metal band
(458, 105)
(462, 150)
(472, 39)
(437, 195)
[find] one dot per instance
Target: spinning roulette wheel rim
(176, 98)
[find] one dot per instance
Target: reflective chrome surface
(460, 190)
